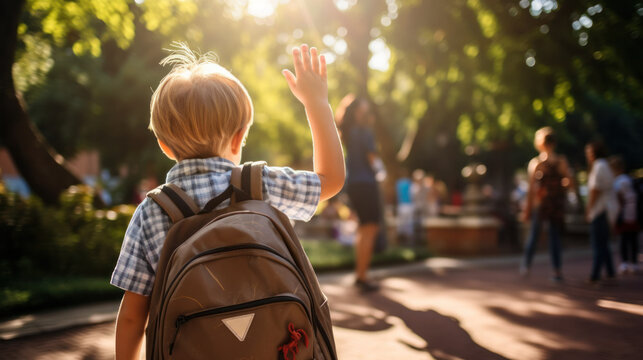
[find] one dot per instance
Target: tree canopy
(450, 78)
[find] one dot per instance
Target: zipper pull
(179, 321)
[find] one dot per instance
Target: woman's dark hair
(544, 136)
(550, 139)
(598, 148)
(347, 115)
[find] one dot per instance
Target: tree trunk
(39, 165)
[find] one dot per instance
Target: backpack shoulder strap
(176, 203)
(249, 179)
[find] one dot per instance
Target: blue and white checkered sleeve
(295, 193)
(133, 271)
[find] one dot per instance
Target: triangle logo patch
(239, 325)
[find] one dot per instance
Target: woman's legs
(629, 244)
(364, 199)
(364, 249)
(634, 248)
(599, 237)
(532, 241)
(623, 246)
(634, 251)
(554, 249)
(609, 262)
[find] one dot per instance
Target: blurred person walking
(432, 205)
(601, 209)
(404, 209)
(355, 119)
(419, 195)
(549, 177)
(627, 221)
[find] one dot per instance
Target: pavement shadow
(569, 330)
(361, 322)
(444, 336)
(359, 315)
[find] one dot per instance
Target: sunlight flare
(262, 8)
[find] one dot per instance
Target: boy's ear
(166, 149)
(237, 140)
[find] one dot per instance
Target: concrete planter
(462, 235)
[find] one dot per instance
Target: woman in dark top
(549, 178)
(355, 123)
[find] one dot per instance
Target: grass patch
(19, 297)
(326, 255)
(25, 296)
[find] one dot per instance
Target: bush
(24, 296)
(62, 256)
(73, 239)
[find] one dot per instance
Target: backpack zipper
(316, 323)
(182, 319)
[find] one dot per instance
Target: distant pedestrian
(601, 206)
(355, 119)
(404, 208)
(419, 195)
(432, 202)
(627, 221)
(549, 178)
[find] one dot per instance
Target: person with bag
(549, 178)
(627, 221)
(213, 272)
(601, 210)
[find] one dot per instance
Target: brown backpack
(234, 283)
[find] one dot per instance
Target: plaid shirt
(295, 193)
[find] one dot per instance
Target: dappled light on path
(445, 314)
(489, 314)
(636, 309)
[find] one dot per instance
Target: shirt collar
(189, 167)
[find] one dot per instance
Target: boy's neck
(232, 159)
(228, 155)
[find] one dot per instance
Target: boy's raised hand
(308, 84)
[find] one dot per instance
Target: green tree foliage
(84, 24)
(500, 70)
(446, 76)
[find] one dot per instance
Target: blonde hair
(544, 135)
(198, 106)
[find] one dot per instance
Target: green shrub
(64, 255)
(71, 239)
(24, 296)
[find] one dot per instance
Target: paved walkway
(439, 309)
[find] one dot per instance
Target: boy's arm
(130, 325)
(309, 86)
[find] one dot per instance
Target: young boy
(200, 114)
